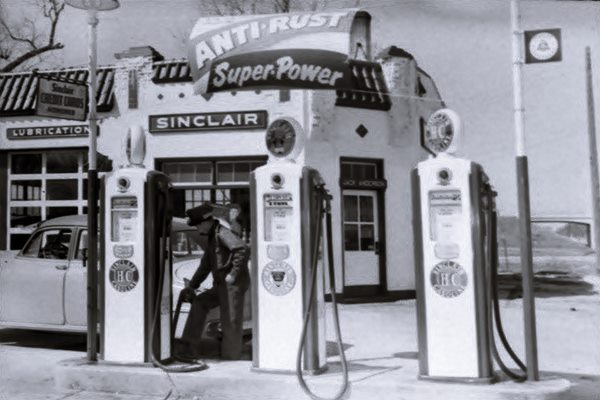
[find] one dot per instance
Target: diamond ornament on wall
(362, 131)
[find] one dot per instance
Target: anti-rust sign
(298, 50)
(59, 99)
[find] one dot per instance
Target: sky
(465, 45)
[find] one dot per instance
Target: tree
(24, 38)
(238, 7)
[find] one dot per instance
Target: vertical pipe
(524, 204)
(92, 218)
(593, 150)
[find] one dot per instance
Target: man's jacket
(226, 254)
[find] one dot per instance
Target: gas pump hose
(186, 367)
(312, 299)
(492, 246)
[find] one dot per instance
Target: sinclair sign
(296, 50)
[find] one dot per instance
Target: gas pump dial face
(281, 138)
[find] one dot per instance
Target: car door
(32, 285)
(76, 284)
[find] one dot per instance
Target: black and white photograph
(299, 199)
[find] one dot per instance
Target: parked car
(43, 286)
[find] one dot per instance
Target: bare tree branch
(22, 41)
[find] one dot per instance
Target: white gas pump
(454, 224)
(135, 272)
(288, 308)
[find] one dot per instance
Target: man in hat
(226, 257)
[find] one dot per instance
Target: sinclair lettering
(208, 121)
(219, 43)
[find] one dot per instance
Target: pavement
(380, 342)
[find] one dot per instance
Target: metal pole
(92, 201)
(593, 150)
(524, 204)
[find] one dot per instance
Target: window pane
(350, 237)
(350, 208)
(18, 240)
(84, 189)
(24, 216)
(366, 209)
(180, 245)
(61, 162)
(26, 190)
(55, 244)
(61, 189)
(82, 244)
(54, 212)
(33, 247)
(189, 172)
(346, 172)
(242, 172)
(26, 163)
(225, 172)
(367, 239)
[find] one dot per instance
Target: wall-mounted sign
(301, 49)
(208, 121)
(368, 184)
(58, 99)
(542, 45)
(45, 132)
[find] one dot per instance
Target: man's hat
(199, 214)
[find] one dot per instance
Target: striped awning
(371, 90)
(171, 71)
(18, 92)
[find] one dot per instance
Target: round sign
(278, 278)
(448, 279)
(123, 275)
(543, 46)
(285, 138)
(442, 131)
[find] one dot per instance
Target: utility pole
(523, 194)
(593, 152)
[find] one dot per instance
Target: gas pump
(454, 224)
(288, 308)
(136, 267)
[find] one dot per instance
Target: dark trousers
(230, 300)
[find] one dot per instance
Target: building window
(43, 185)
(359, 170)
(216, 181)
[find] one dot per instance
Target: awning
(296, 50)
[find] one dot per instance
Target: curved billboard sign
(296, 50)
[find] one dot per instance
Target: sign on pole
(60, 99)
(542, 45)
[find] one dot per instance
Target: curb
(234, 380)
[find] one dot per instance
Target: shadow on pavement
(46, 340)
(332, 348)
(585, 387)
(546, 284)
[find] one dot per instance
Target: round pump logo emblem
(449, 279)
(123, 275)
(278, 278)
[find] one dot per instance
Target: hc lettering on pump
(123, 275)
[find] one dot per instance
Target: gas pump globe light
(443, 132)
(135, 146)
(285, 139)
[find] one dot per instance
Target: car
(43, 285)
